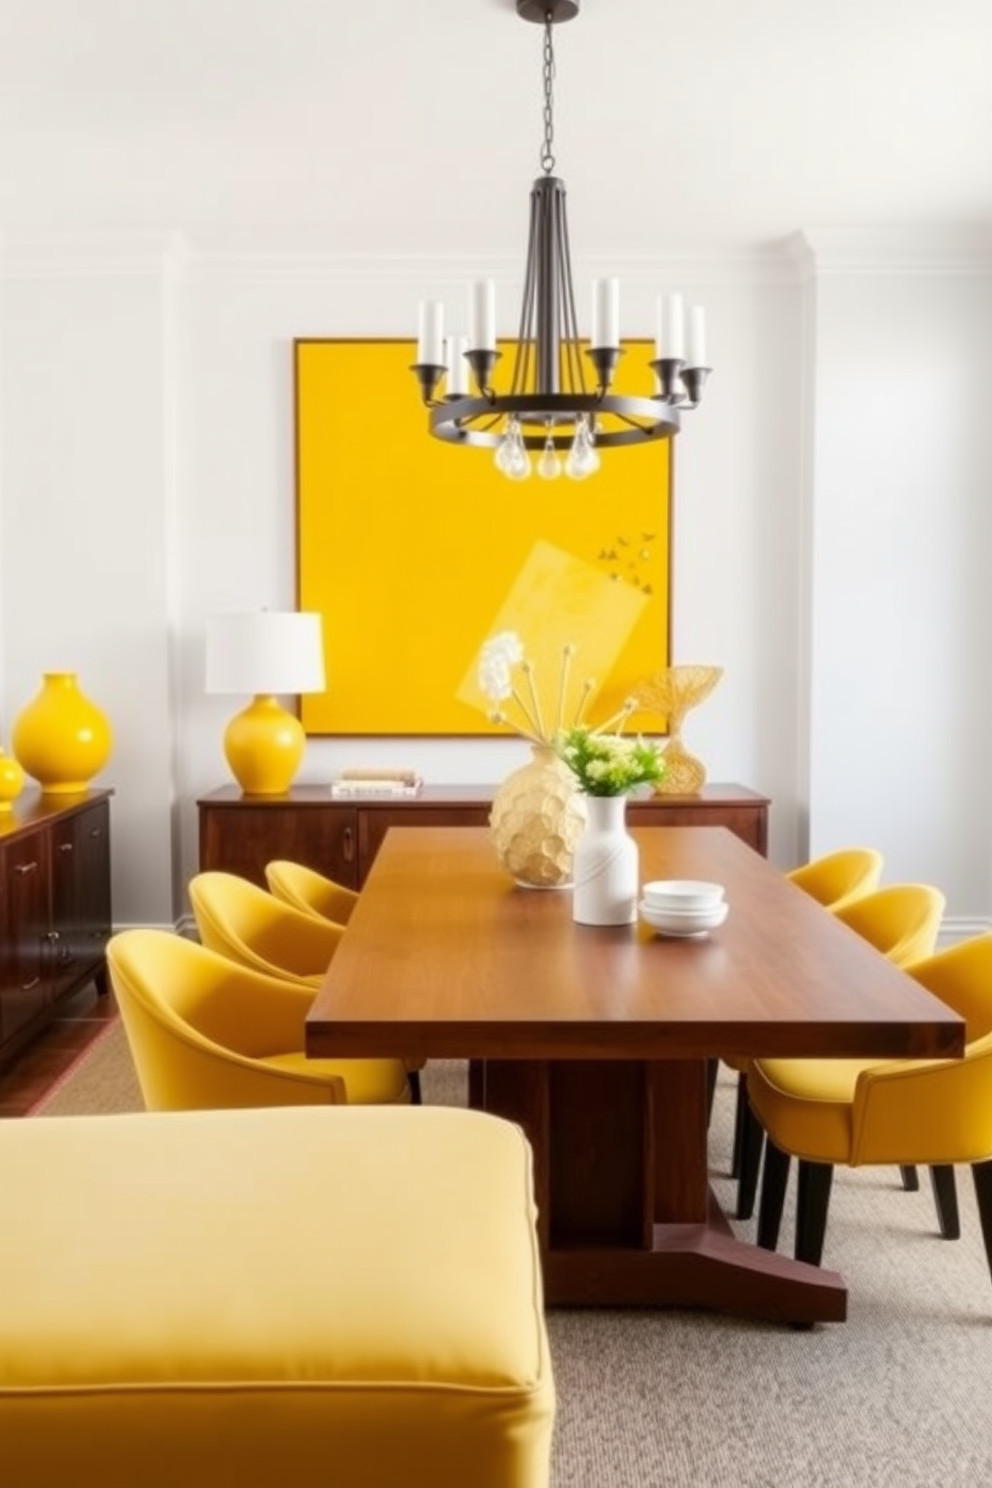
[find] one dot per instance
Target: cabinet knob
(348, 845)
(65, 847)
(52, 936)
(26, 986)
(25, 867)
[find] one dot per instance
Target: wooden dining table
(598, 1041)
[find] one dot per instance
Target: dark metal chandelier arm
(575, 371)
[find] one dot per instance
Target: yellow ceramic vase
(11, 781)
(62, 738)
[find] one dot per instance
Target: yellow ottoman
(287, 1298)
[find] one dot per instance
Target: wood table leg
(626, 1214)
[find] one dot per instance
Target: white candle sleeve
(457, 380)
(605, 312)
(672, 327)
(697, 336)
(482, 316)
(430, 341)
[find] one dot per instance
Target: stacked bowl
(683, 907)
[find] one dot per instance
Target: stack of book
(377, 781)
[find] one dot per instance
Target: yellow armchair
(902, 921)
(251, 926)
(246, 923)
(309, 891)
(839, 878)
(860, 1112)
(205, 1033)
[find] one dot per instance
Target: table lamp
(264, 653)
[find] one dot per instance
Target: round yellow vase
(11, 781)
(62, 738)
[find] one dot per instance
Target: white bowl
(684, 923)
(682, 894)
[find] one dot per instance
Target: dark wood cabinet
(55, 907)
(240, 834)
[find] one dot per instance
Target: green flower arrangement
(608, 764)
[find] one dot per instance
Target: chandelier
(550, 407)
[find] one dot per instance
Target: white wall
(85, 487)
(901, 608)
(146, 480)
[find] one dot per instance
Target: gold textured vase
(672, 693)
(536, 819)
(61, 738)
(11, 781)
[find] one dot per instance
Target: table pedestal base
(626, 1215)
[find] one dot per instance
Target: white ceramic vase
(606, 868)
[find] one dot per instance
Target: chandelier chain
(547, 151)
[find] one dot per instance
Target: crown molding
(946, 251)
(92, 255)
(768, 264)
(802, 258)
(243, 258)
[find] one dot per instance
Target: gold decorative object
(536, 819)
(672, 693)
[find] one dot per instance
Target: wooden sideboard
(240, 834)
(55, 907)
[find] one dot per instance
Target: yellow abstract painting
(415, 552)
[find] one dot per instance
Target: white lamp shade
(266, 651)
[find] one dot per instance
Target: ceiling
(414, 126)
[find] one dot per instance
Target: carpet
(900, 1394)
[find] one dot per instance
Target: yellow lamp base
(263, 745)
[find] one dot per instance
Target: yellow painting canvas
(415, 552)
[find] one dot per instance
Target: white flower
(506, 674)
(498, 656)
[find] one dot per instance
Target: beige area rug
(900, 1396)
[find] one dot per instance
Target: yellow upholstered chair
(835, 880)
(307, 890)
(249, 925)
(839, 877)
(205, 1033)
(902, 921)
(254, 928)
(860, 1112)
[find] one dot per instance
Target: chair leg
(741, 1112)
(945, 1196)
(982, 1174)
(416, 1096)
(752, 1143)
(773, 1186)
(712, 1069)
(812, 1203)
(910, 1178)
